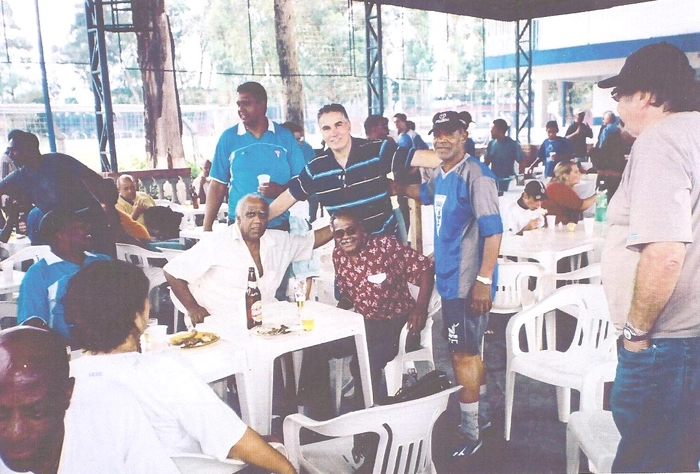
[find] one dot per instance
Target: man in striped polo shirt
(351, 173)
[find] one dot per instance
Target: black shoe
(466, 447)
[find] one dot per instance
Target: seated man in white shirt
(211, 277)
(188, 417)
(526, 213)
(52, 424)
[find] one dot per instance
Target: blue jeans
(656, 406)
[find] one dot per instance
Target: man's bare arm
(181, 289)
(425, 159)
(254, 450)
(416, 320)
(280, 205)
(409, 190)
(481, 293)
(217, 191)
(657, 273)
(322, 236)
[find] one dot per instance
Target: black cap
(658, 65)
(535, 189)
(449, 120)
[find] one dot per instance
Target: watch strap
(484, 280)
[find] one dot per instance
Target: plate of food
(192, 339)
(270, 330)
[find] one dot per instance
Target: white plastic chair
(395, 368)
(512, 293)
(8, 314)
(191, 463)
(593, 344)
(404, 430)
(33, 252)
(144, 258)
(592, 429)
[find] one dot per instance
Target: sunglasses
(340, 233)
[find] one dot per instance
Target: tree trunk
(156, 53)
(289, 64)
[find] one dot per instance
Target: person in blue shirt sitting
(42, 288)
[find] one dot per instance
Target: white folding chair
(404, 429)
(592, 430)
(192, 463)
(593, 344)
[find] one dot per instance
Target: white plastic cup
(157, 337)
(263, 179)
(588, 225)
(551, 222)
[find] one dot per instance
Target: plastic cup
(571, 226)
(157, 337)
(588, 225)
(307, 321)
(551, 222)
(263, 179)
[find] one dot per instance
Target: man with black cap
(651, 261)
(526, 213)
(467, 237)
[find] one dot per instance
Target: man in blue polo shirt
(351, 173)
(468, 232)
(43, 286)
(254, 147)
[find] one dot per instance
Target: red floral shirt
(376, 282)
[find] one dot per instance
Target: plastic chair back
(512, 293)
(404, 430)
(32, 253)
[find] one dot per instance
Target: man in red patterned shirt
(372, 273)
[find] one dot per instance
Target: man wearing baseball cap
(525, 213)
(467, 237)
(651, 261)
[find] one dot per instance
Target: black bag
(431, 383)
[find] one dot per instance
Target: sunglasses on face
(340, 233)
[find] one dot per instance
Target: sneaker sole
(463, 452)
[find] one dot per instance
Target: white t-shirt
(107, 432)
(515, 217)
(186, 414)
(216, 269)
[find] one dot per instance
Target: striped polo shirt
(361, 187)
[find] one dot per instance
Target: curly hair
(101, 303)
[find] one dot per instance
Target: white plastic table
(250, 357)
(548, 246)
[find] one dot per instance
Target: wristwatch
(633, 334)
(484, 280)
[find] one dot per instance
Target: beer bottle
(253, 300)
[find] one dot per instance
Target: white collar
(52, 258)
(270, 127)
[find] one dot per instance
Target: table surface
(558, 241)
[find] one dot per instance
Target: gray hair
(250, 197)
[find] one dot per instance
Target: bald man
(130, 200)
(51, 425)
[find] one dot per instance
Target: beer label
(256, 311)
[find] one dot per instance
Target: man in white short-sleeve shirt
(526, 213)
(651, 263)
(211, 277)
(52, 424)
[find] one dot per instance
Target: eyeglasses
(340, 233)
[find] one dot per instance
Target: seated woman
(563, 201)
(107, 306)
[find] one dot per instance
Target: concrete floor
(538, 439)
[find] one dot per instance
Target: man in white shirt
(52, 425)
(211, 277)
(526, 213)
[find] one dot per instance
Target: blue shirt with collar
(240, 157)
(43, 287)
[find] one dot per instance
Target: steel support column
(119, 21)
(523, 77)
(375, 71)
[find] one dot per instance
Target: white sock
(469, 425)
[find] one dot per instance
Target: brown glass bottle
(253, 300)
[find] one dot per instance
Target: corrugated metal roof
(509, 10)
